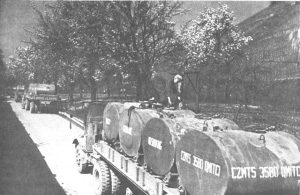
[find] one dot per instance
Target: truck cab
(93, 124)
(19, 92)
(92, 133)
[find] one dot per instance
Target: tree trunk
(71, 91)
(93, 91)
(138, 88)
(227, 93)
(138, 92)
(215, 99)
(145, 81)
(81, 90)
(108, 89)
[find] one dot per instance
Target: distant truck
(19, 92)
(41, 98)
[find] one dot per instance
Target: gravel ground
(37, 154)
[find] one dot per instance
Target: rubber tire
(80, 158)
(116, 185)
(23, 104)
(32, 107)
(27, 105)
(53, 106)
(37, 108)
(101, 175)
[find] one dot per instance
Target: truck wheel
(102, 180)
(37, 108)
(53, 107)
(81, 162)
(27, 106)
(116, 187)
(32, 107)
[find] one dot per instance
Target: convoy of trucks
(133, 149)
(159, 152)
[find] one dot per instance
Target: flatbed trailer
(41, 103)
(113, 171)
(41, 98)
(207, 162)
(135, 174)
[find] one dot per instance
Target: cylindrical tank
(161, 134)
(132, 123)
(111, 117)
(238, 162)
(37, 89)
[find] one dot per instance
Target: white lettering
(243, 172)
(198, 162)
(212, 168)
(264, 172)
(107, 121)
(155, 143)
(127, 129)
(186, 157)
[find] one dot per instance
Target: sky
(17, 15)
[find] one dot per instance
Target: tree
(137, 34)
(82, 42)
(212, 42)
(2, 71)
(80, 25)
(68, 44)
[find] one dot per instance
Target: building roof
(270, 19)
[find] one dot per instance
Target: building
(276, 32)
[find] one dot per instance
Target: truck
(19, 92)
(204, 160)
(41, 98)
(113, 171)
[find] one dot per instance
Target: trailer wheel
(27, 106)
(81, 162)
(36, 108)
(32, 107)
(116, 186)
(101, 176)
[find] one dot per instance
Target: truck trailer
(41, 98)
(178, 154)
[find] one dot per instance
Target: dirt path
(37, 155)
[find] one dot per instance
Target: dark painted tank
(161, 135)
(132, 123)
(37, 89)
(111, 118)
(239, 163)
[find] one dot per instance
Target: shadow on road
(23, 169)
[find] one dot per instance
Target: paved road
(52, 136)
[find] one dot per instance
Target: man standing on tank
(167, 89)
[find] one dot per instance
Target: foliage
(213, 38)
(212, 43)
(2, 70)
(138, 34)
(84, 43)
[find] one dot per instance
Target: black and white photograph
(142, 97)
